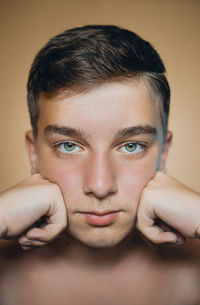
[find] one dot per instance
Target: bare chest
(62, 284)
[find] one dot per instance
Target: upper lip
(101, 213)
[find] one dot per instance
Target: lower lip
(100, 220)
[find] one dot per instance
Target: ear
(165, 150)
(31, 149)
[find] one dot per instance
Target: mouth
(100, 218)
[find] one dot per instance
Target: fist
(22, 206)
(168, 211)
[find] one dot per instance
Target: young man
(99, 104)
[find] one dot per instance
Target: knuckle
(52, 191)
(55, 189)
(159, 174)
(151, 184)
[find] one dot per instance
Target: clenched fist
(167, 203)
(25, 204)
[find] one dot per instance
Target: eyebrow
(66, 131)
(82, 135)
(136, 130)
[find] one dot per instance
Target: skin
(172, 202)
(100, 174)
(17, 216)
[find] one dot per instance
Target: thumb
(54, 226)
(45, 234)
(36, 237)
(149, 226)
(157, 236)
(56, 222)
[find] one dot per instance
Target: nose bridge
(100, 179)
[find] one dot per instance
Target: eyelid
(59, 143)
(142, 143)
(55, 144)
(144, 146)
(81, 144)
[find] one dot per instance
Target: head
(99, 103)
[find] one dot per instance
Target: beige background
(172, 27)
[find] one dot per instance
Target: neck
(80, 254)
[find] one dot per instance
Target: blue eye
(68, 147)
(133, 148)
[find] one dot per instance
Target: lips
(103, 218)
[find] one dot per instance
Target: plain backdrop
(171, 26)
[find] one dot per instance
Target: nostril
(100, 196)
(100, 188)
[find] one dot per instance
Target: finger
(180, 239)
(55, 223)
(27, 243)
(156, 235)
(24, 241)
(26, 247)
(45, 234)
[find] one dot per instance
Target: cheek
(133, 180)
(67, 177)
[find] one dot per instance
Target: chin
(101, 243)
(101, 238)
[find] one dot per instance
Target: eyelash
(58, 146)
(143, 147)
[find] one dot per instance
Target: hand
(23, 205)
(167, 201)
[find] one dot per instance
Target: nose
(100, 180)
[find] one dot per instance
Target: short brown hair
(83, 57)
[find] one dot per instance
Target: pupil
(131, 146)
(69, 146)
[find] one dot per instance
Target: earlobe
(165, 150)
(31, 149)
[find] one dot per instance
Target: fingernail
(27, 243)
(179, 241)
(26, 247)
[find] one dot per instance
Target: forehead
(103, 109)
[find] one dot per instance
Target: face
(101, 148)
